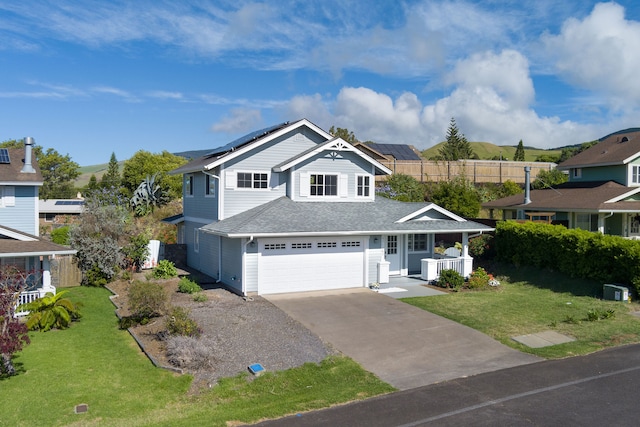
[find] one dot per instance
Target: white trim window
(7, 196)
(576, 172)
(209, 186)
(253, 180)
(188, 185)
(363, 185)
(196, 240)
(418, 243)
(323, 184)
(635, 174)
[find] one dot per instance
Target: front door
(392, 254)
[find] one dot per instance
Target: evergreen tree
(519, 155)
(112, 178)
(92, 185)
(343, 133)
(456, 146)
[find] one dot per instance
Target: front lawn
(530, 301)
(95, 363)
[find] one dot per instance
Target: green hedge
(579, 253)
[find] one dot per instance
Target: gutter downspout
(601, 229)
(244, 265)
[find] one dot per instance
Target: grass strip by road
(530, 301)
(95, 363)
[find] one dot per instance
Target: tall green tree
(402, 187)
(92, 185)
(549, 179)
(112, 178)
(456, 146)
(143, 164)
(58, 172)
(519, 154)
(458, 195)
(343, 133)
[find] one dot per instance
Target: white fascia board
(431, 206)
(232, 155)
(623, 196)
(17, 236)
(348, 233)
(38, 253)
(337, 144)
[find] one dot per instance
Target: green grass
(487, 150)
(530, 301)
(95, 363)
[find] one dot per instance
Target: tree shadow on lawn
(544, 278)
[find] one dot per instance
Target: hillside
(487, 150)
(97, 170)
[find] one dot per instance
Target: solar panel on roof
(4, 156)
(69, 202)
(398, 151)
(247, 138)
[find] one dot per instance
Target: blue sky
(91, 78)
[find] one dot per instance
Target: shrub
(481, 247)
(189, 353)
(147, 299)
(51, 311)
(595, 314)
(165, 270)
(478, 279)
(60, 235)
(179, 323)
(95, 277)
(200, 297)
(187, 286)
(450, 279)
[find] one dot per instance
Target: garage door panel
(291, 269)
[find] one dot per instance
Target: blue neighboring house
(20, 245)
(291, 208)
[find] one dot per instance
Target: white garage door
(295, 265)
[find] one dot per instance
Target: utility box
(383, 272)
(613, 292)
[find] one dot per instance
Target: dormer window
(363, 185)
(323, 185)
(635, 174)
(253, 180)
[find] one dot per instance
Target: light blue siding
(346, 164)
(231, 272)
(263, 160)
(209, 254)
(22, 215)
(199, 205)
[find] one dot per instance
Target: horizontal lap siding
(209, 254)
(264, 159)
(232, 264)
(199, 206)
(23, 216)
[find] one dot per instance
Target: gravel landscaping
(236, 332)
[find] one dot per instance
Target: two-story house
(602, 194)
(292, 208)
(20, 246)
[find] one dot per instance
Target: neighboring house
(602, 194)
(59, 212)
(292, 208)
(20, 246)
(389, 152)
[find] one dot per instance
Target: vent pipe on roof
(28, 148)
(527, 185)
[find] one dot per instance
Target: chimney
(527, 185)
(28, 148)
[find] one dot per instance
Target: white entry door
(392, 254)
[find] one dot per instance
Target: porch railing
(432, 267)
(29, 296)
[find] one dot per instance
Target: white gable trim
(431, 206)
(336, 144)
(242, 150)
(623, 196)
(17, 235)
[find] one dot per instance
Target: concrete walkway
(403, 345)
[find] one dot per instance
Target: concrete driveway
(403, 345)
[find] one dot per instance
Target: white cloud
(598, 53)
(239, 120)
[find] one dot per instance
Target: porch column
(465, 245)
(467, 267)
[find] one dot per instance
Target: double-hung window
(209, 186)
(418, 243)
(363, 185)
(188, 184)
(635, 174)
(323, 185)
(256, 180)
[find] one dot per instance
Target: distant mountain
(487, 150)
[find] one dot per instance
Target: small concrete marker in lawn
(256, 369)
(81, 408)
(543, 339)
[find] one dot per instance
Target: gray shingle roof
(584, 196)
(11, 247)
(614, 149)
(286, 217)
(10, 172)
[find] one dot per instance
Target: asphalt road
(601, 389)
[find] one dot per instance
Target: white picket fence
(432, 267)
